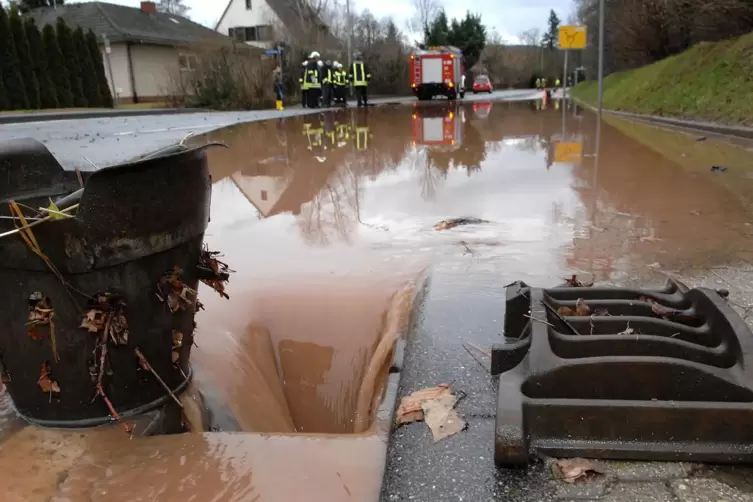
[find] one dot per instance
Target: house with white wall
(147, 49)
(265, 23)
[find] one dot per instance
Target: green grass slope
(710, 81)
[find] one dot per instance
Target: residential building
(264, 23)
(147, 51)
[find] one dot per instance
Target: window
(250, 33)
(187, 62)
(248, 4)
(262, 33)
(263, 195)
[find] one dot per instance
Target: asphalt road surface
(90, 143)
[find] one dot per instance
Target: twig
(539, 320)
(476, 359)
(90, 162)
(53, 338)
(80, 178)
(561, 318)
(479, 349)
(18, 230)
(53, 212)
(148, 366)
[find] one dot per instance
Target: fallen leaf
(213, 272)
(174, 292)
(107, 311)
(581, 308)
(571, 470)
(626, 331)
(441, 417)
(575, 283)
(410, 409)
(566, 311)
(175, 356)
(54, 212)
(46, 383)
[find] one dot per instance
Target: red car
(482, 84)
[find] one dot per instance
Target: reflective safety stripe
(359, 75)
(312, 78)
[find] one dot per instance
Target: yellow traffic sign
(568, 152)
(572, 37)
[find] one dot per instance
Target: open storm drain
(623, 374)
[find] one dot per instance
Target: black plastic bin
(135, 222)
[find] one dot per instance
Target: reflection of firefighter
(330, 133)
(362, 132)
(342, 128)
(314, 132)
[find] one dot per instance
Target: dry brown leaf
(175, 356)
(213, 272)
(566, 311)
(174, 292)
(441, 417)
(574, 282)
(107, 311)
(572, 470)
(40, 314)
(581, 308)
(410, 409)
(46, 383)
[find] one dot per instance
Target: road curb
(709, 127)
(20, 118)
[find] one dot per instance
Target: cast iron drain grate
(648, 375)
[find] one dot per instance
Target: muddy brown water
(328, 222)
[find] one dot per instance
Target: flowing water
(328, 222)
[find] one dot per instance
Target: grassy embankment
(710, 81)
(126, 106)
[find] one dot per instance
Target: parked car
(482, 84)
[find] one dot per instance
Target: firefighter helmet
(314, 55)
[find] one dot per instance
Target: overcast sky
(509, 17)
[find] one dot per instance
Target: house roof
(128, 24)
(290, 15)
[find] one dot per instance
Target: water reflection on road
(328, 222)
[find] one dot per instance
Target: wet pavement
(328, 220)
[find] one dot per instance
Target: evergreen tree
(47, 95)
(23, 53)
(11, 71)
(27, 5)
(438, 31)
(99, 68)
(551, 38)
(71, 60)
(86, 69)
(57, 67)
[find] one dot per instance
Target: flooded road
(328, 222)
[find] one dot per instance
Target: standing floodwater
(329, 223)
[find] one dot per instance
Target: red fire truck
(437, 71)
(438, 127)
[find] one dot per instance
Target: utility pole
(349, 24)
(601, 55)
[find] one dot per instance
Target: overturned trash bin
(623, 374)
(98, 285)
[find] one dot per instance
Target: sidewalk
(94, 113)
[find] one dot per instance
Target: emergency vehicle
(438, 127)
(436, 71)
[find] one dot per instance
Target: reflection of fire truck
(438, 127)
(436, 71)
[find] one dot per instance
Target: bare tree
(425, 12)
(530, 37)
(175, 7)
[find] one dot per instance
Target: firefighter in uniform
(328, 83)
(359, 76)
(312, 79)
(341, 82)
(304, 85)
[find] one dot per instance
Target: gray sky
(509, 17)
